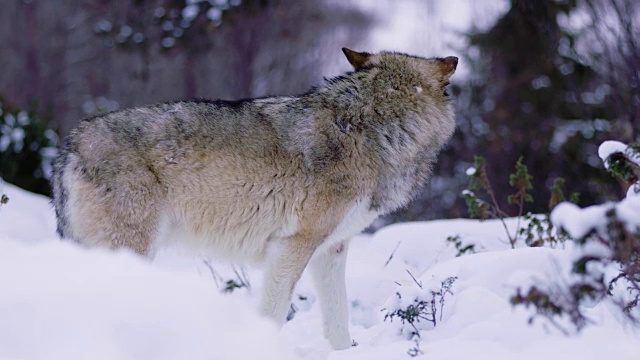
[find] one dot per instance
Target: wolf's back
(121, 166)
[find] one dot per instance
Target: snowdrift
(61, 301)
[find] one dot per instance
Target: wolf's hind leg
(121, 213)
(327, 268)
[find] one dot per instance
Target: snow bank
(27, 217)
(59, 301)
(63, 302)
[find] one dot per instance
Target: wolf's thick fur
(281, 181)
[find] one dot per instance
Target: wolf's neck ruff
(280, 181)
(387, 112)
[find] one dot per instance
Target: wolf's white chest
(355, 220)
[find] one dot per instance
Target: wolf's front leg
(285, 263)
(327, 268)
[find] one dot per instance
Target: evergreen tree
(531, 96)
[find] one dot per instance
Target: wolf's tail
(60, 193)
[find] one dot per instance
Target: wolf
(282, 182)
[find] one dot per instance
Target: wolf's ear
(356, 59)
(448, 66)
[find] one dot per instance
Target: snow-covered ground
(60, 301)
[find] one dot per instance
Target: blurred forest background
(547, 80)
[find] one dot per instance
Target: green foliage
(27, 149)
(478, 209)
(620, 167)
(521, 180)
(624, 166)
(557, 195)
(538, 230)
(526, 96)
(623, 244)
(478, 177)
(460, 247)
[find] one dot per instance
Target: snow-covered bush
(606, 250)
(418, 308)
(27, 149)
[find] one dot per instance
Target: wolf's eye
(446, 93)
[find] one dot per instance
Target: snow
(609, 148)
(62, 301)
(99, 305)
(580, 222)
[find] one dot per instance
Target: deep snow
(61, 301)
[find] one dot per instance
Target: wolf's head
(401, 70)
(393, 110)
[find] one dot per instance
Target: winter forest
(524, 243)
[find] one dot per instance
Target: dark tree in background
(550, 81)
(532, 103)
(77, 57)
(72, 58)
(609, 41)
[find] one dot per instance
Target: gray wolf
(282, 182)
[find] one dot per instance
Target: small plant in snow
(4, 199)
(419, 308)
(241, 279)
(460, 246)
(538, 230)
(479, 181)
